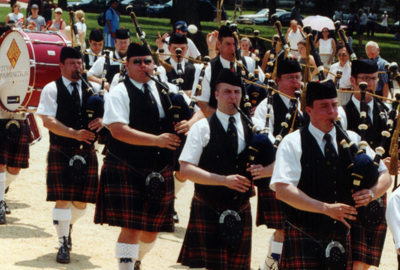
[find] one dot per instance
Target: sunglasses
(138, 62)
(342, 55)
(369, 78)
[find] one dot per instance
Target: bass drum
(28, 61)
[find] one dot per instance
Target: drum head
(14, 70)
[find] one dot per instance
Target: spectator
(344, 66)
(295, 14)
(372, 18)
(327, 48)
(47, 9)
(362, 27)
(58, 24)
(35, 22)
(372, 50)
(385, 20)
(302, 60)
(112, 23)
(16, 16)
(349, 35)
(338, 14)
(81, 27)
(179, 27)
(293, 36)
(39, 3)
(245, 45)
(397, 35)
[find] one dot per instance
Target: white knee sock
(178, 185)
(273, 254)
(126, 254)
(76, 213)
(10, 178)
(144, 248)
(61, 220)
(2, 185)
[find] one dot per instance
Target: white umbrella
(319, 22)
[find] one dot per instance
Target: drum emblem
(13, 53)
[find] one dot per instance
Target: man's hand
(182, 127)
(84, 135)
(237, 182)
(212, 39)
(257, 171)
(340, 211)
(159, 40)
(168, 140)
(362, 197)
(96, 124)
(113, 35)
(386, 161)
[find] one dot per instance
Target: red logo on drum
(13, 53)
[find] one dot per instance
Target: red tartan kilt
(59, 184)
(202, 246)
(301, 252)
(270, 210)
(14, 155)
(366, 244)
(121, 202)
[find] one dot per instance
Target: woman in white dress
(16, 16)
(327, 48)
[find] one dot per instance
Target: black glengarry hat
(227, 76)
(96, 35)
(367, 66)
(320, 90)
(122, 33)
(135, 49)
(288, 66)
(178, 38)
(69, 52)
(224, 31)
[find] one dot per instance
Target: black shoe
(69, 238)
(7, 209)
(2, 212)
(6, 191)
(138, 265)
(63, 252)
(175, 217)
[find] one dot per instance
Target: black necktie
(75, 94)
(232, 134)
(232, 67)
(331, 156)
(95, 58)
(150, 98)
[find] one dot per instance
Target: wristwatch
(372, 194)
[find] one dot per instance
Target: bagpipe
(314, 53)
(364, 172)
(278, 27)
(95, 103)
(345, 41)
(197, 91)
(273, 59)
(142, 36)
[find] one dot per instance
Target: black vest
(280, 111)
(373, 133)
(112, 70)
(216, 67)
(86, 60)
(70, 115)
(188, 76)
(317, 184)
(143, 118)
(218, 157)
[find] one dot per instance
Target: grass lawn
(390, 49)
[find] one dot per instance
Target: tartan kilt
(367, 244)
(121, 202)
(14, 154)
(59, 183)
(202, 246)
(270, 210)
(301, 252)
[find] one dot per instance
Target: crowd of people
(163, 124)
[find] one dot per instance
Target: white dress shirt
(288, 157)
(356, 102)
(199, 136)
(48, 98)
(98, 66)
(192, 51)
